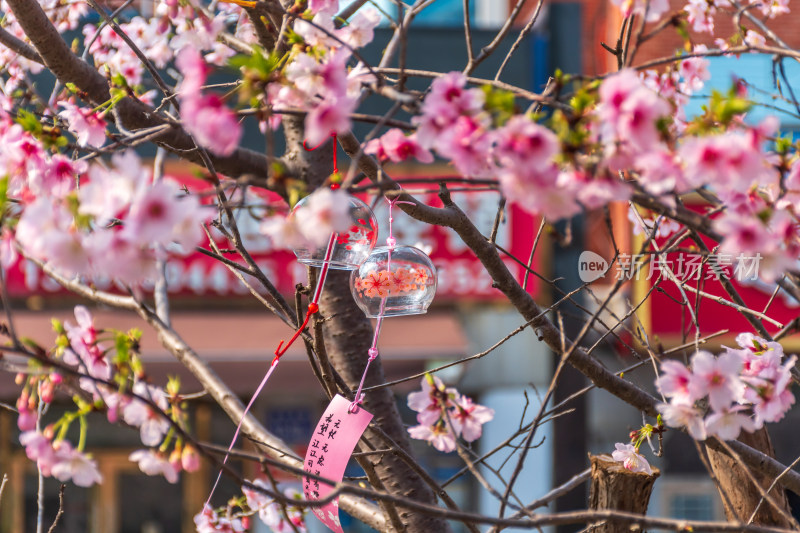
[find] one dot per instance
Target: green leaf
(499, 103)
(29, 122)
(3, 194)
(123, 346)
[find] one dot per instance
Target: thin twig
(60, 512)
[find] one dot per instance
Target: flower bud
(26, 420)
(22, 401)
(175, 459)
(46, 391)
(190, 459)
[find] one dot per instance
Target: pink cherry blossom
(660, 172)
(84, 350)
(271, 512)
(322, 213)
(60, 176)
(753, 38)
(154, 464)
(757, 354)
(194, 70)
(38, 448)
(449, 97)
(327, 79)
(205, 117)
(8, 250)
(694, 70)
(360, 30)
(318, 34)
(631, 459)
(674, 381)
(152, 426)
(46, 231)
(701, 15)
(681, 414)
(432, 400)
(397, 147)
(637, 121)
(283, 232)
(153, 214)
(439, 435)
(87, 125)
(547, 192)
(71, 464)
(727, 425)
(614, 92)
(716, 377)
(769, 392)
(328, 116)
(523, 142)
(468, 417)
(744, 234)
(593, 193)
(467, 143)
(211, 124)
(256, 499)
(327, 6)
(652, 9)
(208, 521)
(109, 192)
(447, 100)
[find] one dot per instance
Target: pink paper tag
(332, 443)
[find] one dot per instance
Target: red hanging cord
(313, 307)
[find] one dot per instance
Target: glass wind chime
(386, 281)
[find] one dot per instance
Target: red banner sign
(460, 273)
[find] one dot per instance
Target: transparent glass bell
(351, 248)
(394, 282)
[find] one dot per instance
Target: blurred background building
(227, 327)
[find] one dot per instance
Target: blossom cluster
(444, 414)
(235, 517)
(743, 387)
(209, 521)
(317, 77)
(460, 124)
(629, 456)
(205, 116)
(272, 512)
(383, 283)
(113, 384)
(173, 28)
(323, 213)
(114, 227)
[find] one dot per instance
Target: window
(686, 497)
(450, 13)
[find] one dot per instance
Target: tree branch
(132, 113)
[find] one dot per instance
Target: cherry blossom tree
(79, 202)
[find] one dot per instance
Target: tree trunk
(616, 488)
(742, 496)
(348, 336)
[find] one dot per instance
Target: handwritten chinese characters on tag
(329, 450)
